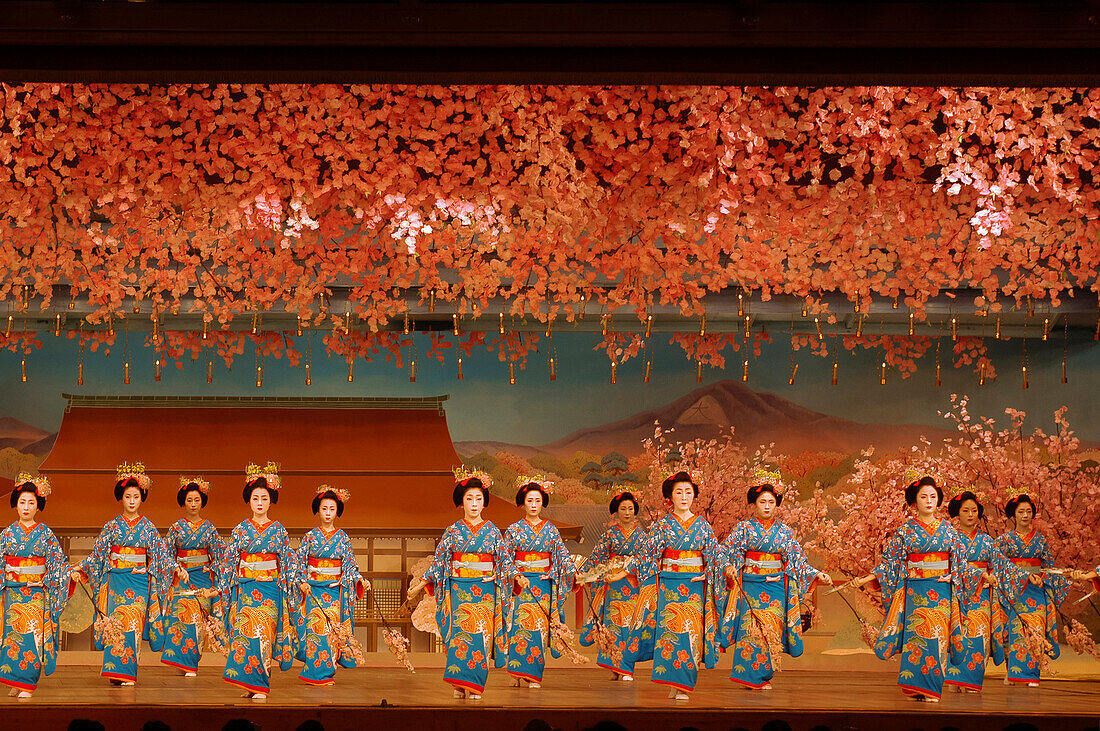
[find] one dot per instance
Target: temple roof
(394, 455)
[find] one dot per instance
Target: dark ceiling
(741, 43)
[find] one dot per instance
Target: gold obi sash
(259, 566)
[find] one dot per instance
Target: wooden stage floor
(571, 699)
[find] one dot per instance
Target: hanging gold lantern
(614, 372)
(460, 368)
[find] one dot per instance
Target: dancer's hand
(523, 582)
(415, 588)
(824, 578)
(988, 578)
(858, 582)
(304, 586)
(1035, 579)
(366, 585)
(731, 572)
(181, 572)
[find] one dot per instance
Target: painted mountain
(758, 418)
(24, 437)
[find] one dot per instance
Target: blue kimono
(197, 548)
(618, 604)
(1030, 605)
(260, 588)
(764, 602)
(983, 615)
(688, 562)
(328, 561)
(471, 574)
(36, 587)
(923, 573)
(129, 570)
(539, 555)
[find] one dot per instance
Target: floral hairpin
(464, 475)
(544, 483)
(135, 471)
(341, 493)
(41, 483)
(270, 473)
(203, 485)
(764, 476)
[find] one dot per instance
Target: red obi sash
(1031, 564)
(928, 565)
(325, 569)
(191, 557)
(682, 562)
(535, 562)
(127, 557)
(25, 569)
(472, 565)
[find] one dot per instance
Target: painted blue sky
(484, 406)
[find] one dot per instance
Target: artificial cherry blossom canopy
(342, 208)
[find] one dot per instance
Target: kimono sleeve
(798, 565)
(1056, 586)
(890, 571)
(601, 552)
(440, 567)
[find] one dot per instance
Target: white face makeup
(625, 512)
(260, 502)
(968, 515)
(131, 500)
(765, 506)
(327, 511)
(532, 504)
(683, 495)
(927, 499)
(192, 504)
(473, 502)
(26, 506)
(1024, 515)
